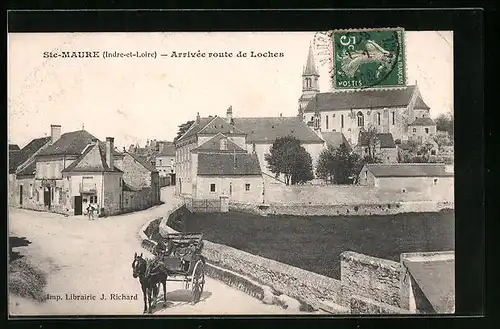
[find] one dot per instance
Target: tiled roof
(85, 162)
(143, 162)
(168, 149)
(220, 125)
(334, 139)
(14, 147)
(128, 188)
(14, 160)
(196, 127)
(361, 99)
(267, 130)
(385, 139)
(409, 170)
(213, 145)
(25, 153)
(224, 164)
(72, 143)
(29, 170)
(420, 104)
(423, 122)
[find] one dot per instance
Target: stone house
(250, 135)
(421, 129)
(383, 146)
(141, 185)
(165, 161)
(436, 181)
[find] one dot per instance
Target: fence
(203, 205)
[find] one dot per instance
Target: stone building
(250, 135)
(382, 146)
(434, 180)
(165, 161)
(421, 129)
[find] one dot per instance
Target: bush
(26, 281)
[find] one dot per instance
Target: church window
(247, 187)
(393, 118)
(326, 121)
(212, 187)
(341, 121)
(378, 119)
(361, 119)
(308, 82)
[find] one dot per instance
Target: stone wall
(370, 277)
(362, 305)
(359, 209)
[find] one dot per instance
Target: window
(253, 147)
(393, 118)
(31, 191)
(378, 119)
(426, 130)
(212, 187)
(435, 181)
(223, 144)
(230, 188)
(333, 116)
(93, 199)
(247, 187)
(414, 130)
(361, 119)
(341, 121)
(326, 121)
(159, 162)
(366, 174)
(366, 150)
(433, 152)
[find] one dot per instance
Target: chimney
(55, 133)
(229, 114)
(110, 146)
(198, 119)
(94, 141)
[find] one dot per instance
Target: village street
(95, 257)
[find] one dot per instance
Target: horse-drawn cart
(181, 256)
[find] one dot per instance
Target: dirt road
(95, 257)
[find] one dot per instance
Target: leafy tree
(182, 129)
(444, 122)
(288, 157)
(371, 138)
(340, 165)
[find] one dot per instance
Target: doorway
(78, 205)
(47, 197)
(21, 195)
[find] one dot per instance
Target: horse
(150, 274)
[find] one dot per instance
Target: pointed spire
(310, 65)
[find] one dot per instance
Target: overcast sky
(133, 99)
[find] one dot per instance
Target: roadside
(94, 257)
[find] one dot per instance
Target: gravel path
(95, 257)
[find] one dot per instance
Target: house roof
(72, 143)
(363, 99)
(267, 130)
(436, 280)
(168, 149)
(224, 164)
(29, 170)
(91, 160)
(142, 161)
(17, 158)
(213, 145)
(385, 139)
(334, 139)
(128, 188)
(423, 122)
(14, 147)
(211, 125)
(409, 170)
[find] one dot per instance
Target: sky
(135, 99)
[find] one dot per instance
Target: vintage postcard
(231, 173)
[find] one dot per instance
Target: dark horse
(150, 274)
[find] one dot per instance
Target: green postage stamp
(369, 58)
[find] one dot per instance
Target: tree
(339, 165)
(182, 129)
(444, 122)
(288, 157)
(370, 137)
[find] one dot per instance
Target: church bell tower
(310, 84)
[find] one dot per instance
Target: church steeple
(310, 84)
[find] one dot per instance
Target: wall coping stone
(369, 260)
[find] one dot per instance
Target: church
(400, 112)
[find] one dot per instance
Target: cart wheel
(198, 281)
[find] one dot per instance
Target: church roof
(360, 99)
(310, 68)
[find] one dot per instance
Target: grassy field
(315, 243)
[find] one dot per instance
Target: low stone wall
(308, 287)
(362, 209)
(362, 305)
(370, 277)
